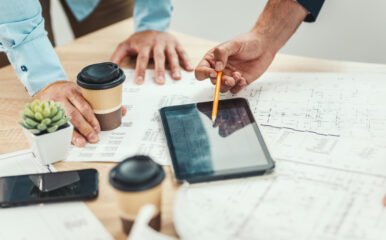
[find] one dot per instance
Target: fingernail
(92, 137)
(177, 74)
(189, 65)
(212, 75)
(97, 129)
(139, 80)
(79, 142)
(219, 66)
(161, 79)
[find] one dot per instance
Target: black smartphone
(48, 187)
(200, 150)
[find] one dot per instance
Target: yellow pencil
(216, 97)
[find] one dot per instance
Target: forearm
(278, 22)
(23, 38)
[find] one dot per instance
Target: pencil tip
(213, 119)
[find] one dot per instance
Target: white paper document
(71, 220)
(303, 202)
(362, 155)
(141, 130)
(337, 105)
(22, 162)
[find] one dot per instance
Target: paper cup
(101, 86)
(137, 182)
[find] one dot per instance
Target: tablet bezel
(223, 174)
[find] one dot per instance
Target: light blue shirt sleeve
(152, 15)
(24, 40)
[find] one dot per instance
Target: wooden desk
(98, 47)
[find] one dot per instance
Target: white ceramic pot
(51, 147)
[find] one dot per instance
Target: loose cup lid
(100, 76)
(137, 173)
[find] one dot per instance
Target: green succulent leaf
(58, 116)
(58, 105)
(29, 113)
(46, 112)
(52, 129)
(41, 126)
(38, 116)
(46, 121)
(61, 122)
(53, 110)
(38, 109)
(35, 103)
(24, 125)
(31, 122)
(46, 105)
(34, 131)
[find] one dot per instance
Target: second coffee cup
(137, 181)
(101, 86)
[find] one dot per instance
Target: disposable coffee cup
(137, 182)
(101, 86)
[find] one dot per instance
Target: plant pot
(51, 147)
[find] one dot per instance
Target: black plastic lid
(101, 76)
(137, 173)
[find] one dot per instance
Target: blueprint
(302, 201)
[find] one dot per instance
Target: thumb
(223, 51)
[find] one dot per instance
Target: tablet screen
(200, 147)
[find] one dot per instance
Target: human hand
(242, 60)
(159, 46)
(69, 95)
(246, 57)
(384, 201)
(82, 116)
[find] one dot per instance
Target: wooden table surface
(98, 47)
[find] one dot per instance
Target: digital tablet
(201, 150)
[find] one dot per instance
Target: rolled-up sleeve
(313, 7)
(24, 40)
(152, 15)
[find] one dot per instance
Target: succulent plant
(41, 117)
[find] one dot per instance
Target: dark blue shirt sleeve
(313, 7)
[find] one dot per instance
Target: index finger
(85, 109)
(141, 65)
(204, 70)
(119, 53)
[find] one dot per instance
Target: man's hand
(245, 58)
(82, 115)
(159, 45)
(242, 60)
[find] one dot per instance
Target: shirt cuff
(36, 64)
(152, 15)
(313, 7)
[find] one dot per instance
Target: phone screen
(233, 144)
(48, 187)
